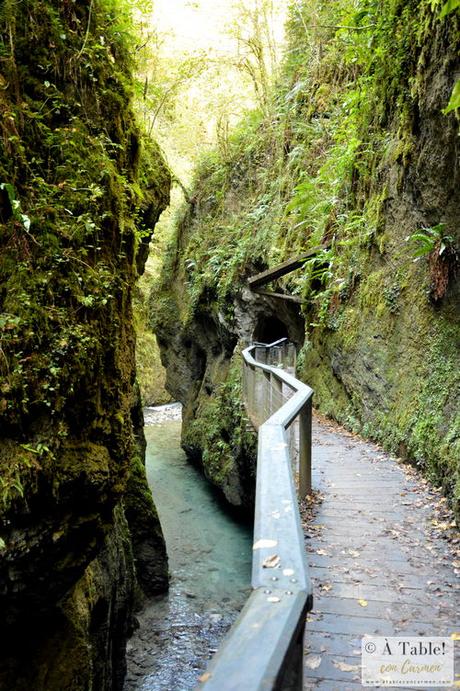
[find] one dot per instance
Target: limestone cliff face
(80, 193)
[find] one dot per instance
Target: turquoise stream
(210, 563)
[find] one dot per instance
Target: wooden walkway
(384, 556)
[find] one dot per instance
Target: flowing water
(209, 560)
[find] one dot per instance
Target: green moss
(219, 436)
(86, 181)
(146, 535)
(150, 371)
(80, 192)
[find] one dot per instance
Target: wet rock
(67, 572)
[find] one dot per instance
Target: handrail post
(277, 356)
(291, 356)
(261, 354)
(276, 387)
(252, 390)
(246, 369)
(293, 677)
(268, 398)
(305, 425)
(285, 347)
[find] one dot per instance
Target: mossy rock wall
(385, 357)
(203, 371)
(80, 193)
(81, 642)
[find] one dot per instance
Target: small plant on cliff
(15, 206)
(443, 256)
(428, 240)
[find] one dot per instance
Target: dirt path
(384, 556)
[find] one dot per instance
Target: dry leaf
(204, 677)
(354, 552)
(345, 667)
(326, 587)
(261, 544)
(363, 603)
(322, 552)
(313, 661)
(271, 562)
(442, 526)
(455, 636)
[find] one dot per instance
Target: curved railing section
(264, 647)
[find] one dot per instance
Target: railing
(264, 649)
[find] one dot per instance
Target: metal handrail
(264, 647)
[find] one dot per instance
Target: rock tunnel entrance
(269, 329)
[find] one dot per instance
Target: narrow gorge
(319, 137)
(356, 153)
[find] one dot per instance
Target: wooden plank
(286, 267)
(370, 626)
(281, 296)
(330, 671)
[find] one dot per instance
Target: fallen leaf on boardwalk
(455, 636)
(322, 552)
(326, 587)
(313, 661)
(442, 525)
(354, 552)
(363, 603)
(204, 677)
(261, 544)
(345, 667)
(271, 562)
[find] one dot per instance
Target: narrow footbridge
(264, 648)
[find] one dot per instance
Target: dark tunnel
(269, 329)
